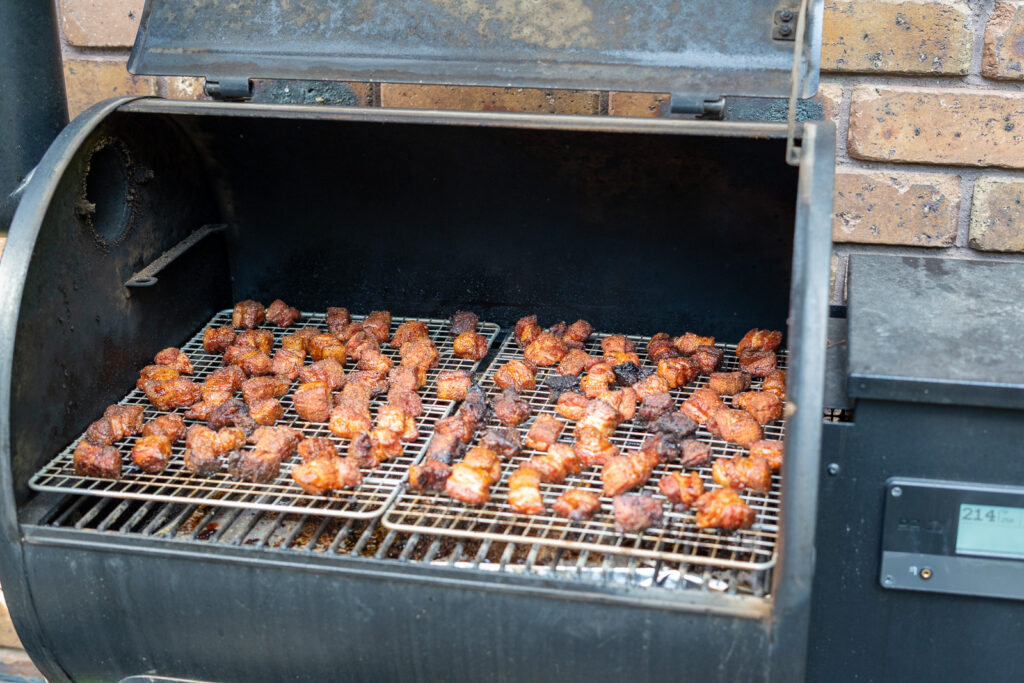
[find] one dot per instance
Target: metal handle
(792, 149)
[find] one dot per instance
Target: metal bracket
(701, 106)
(783, 27)
(228, 88)
(792, 149)
(147, 276)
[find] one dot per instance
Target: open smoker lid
(701, 48)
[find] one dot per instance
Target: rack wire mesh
(678, 540)
(177, 485)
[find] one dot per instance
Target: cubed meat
(593, 447)
(378, 323)
(248, 314)
(771, 451)
(252, 361)
(360, 451)
(255, 388)
(463, 322)
(526, 331)
(614, 358)
(708, 358)
(485, 460)
(510, 409)
(374, 360)
(385, 444)
(504, 441)
(545, 431)
(97, 460)
(151, 453)
(577, 504)
(329, 371)
(322, 475)
(171, 426)
(406, 378)
(624, 472)
(558, 329)
(232, 413)
(635, 513)
(723, 509)
(576, 361)
(345, 334)
(775, 382)
(616, 343)
(337, 319)
(171, 394)
(470, 346)
(419, 353)
(452, 384)
(408, 401)
(262, 463)
(262, 340)
(117, 423)
(409, 331)
(653, 384)
(681, 488)
(694, 453)
(701, 405)
(571, 405)
(468, 484)
(296, 343)
(266, 411)
(759, 340)
(448, 448)
(316, 447)
(690, 342)
(524, 492)
(393, 418)
(758, 363)
(623, 400)
(515, 374)
(559, 384)
(174, 358)
(763, 405)
(656, 405)
(627, 374)
(205, 447)
(217, 339)
(675, 424)
(728, 383)
(678, 371)
(599, 415)
(200, 411)
(349, 422)
(661, 347)
(546, 350)
(312, 402)
(221, 384)
(565, 456)
(735, 426)
(597, 380)
(661, 448)
(432, 475)
(287, 364)
(327, 346)
(742, 473)
(156, 373)
(577, 334)
(474, 408)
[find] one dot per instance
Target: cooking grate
(177, 485)
(679, 540)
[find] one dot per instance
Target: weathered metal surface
(721, 47)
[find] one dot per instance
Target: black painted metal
(698, 48)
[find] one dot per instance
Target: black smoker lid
(936, 330)
(704, 48)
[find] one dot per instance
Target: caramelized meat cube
(546, 350)
(378, 323)
(266, 411)
(470, 345)
(255, 388)
(695, 453)
(468, 484)
(758, 363)
(577, 334)
(406, 378)
(373, 382)
(117, 423)
(204, 448)
(394, 419)
(262, 463)
(701, 405)
(759, 340)
(220, 385)
(676, 424)
(549, 468)
(564, 456)
(593, 447)
(201, 410)
(614, 358)
(407, 401)
(345, 334)
(616, 343)
(374, 360)
(287, 364)
(318, 476)
(728, 383)
(328, 371)
(430, 476)
(735, 426)
(515, 374)
(248, 314)
(526, 331)
(409, 331)
(361, 343)
(708, 358)
(655, 405)
(681, 488)
(577, 504)
(447, 447)
(775, 382)
(360, 450)
(452, 384)
(173, 393)
(544, 432)
(627, 374)
(599, 415)
(597, 380)
(763, 405)
(524, 492)
(419, 353)
(661, 347)
(252, 361)
(576, 361)
(337, 319)
(281, 314)
(151, 453)
(742, 473)
(305, 335)
(635, 513)
(171, 426)
(327, 346)
(571, 405)
(678, 371)
(724, 509)
(660, 448)
(232, 413)
(463, 322)
(313, 402)
(623, 400)
(295, 343)
(654, 384)
(96, 460)
(558, 329)
(155, 373)
(173, 358)
(690, 342)
(217, 339)
(502, 440)
(316, 447)
(771, 451)
(486, 460)
(453, 424)
(280, 440)
(624, 472)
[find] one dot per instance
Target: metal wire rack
(177, 485)
(679, 540)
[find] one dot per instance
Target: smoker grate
(177, 485)
(679, 540)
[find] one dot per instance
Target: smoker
(147, 218)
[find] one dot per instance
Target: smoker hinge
(702, 106)
(228, 88)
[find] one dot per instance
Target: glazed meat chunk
(758, 363)
(419, 353)
(759, 340)
(735, 426)
(117, 423)
(468, 484)
(97, 460)
(378, 323)
(255, 388)
(409, 331)
(545, 431)
(616, 343)
(599, 415)
(287, 364)
(173, 358)
(217, 339)
(635, 513)
(463, 322)
(510, 408)
(337, 319)
(575, 362)
(430, 476)
(701, 405)
(598, 379)
(470, 346)
(624, 472)
(327, 346)
(263, 340)
(155, 373)
(516, 374)
(453, 384)
(771, 451)
(369, 382)
(407, 401)
(524, 492)
(262, 463)
(728, 383)
(623, 400)
(232, 413)
(455, 425)
(252, 361)
(316, 447)
(312, 402)
(205, 447)
(577, 334)
(723, 509)
(559, 384)
(708, 358)
(394, 419)
(171, 426)
(345, 333)
(322, 475)
(678, 371)
(374, 360)
(171, 394)
(266, 411)
(775, 382)
(504, 441)
(577, 505)
(447, 448)
(661, 347)
(406, 378)
(360, 450)
(628, 374)
(763, 405)
(694, 453)
(328, 371)
(248, 314)
(655, 405)
(571, 405)
(652, 384)
(742, 473)
(681, 488)
(690, 342)
(221, 384)
(526, 331)
(593, 448)
(151, 453)
(555, 465)
(281, 314)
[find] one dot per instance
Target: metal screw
(888, 580)
(786, 15)
(833, 469)
(926, 573)
(785, 30)
(897, 492)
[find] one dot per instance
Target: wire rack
(678, 540)
(177, 485)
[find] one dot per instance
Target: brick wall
(926, 94)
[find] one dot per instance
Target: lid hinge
(701, 106)
(231, 88)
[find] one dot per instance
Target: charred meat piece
(248, 314)
(374, 360)
(545, 431)
(661, 347)
(474, 407)
(327, 346)
(758, 363)
(599, 415)
(577, 504)
(559, 384)
(217, 339)
(408, 401)
(287, 364)
(681, 488)
(728, 383)
(577, 334)
(468, 484)
(546, 350)
(172, 357)
(430, 476)
(571, 405)
(627, 374)
(452, 384)
(328, 371)
(763, 405)
(360, 450)
(701, 405)
(117, 423)
(724, 509)
(759, 340)
(281, 314)
(504, 441)
(171, 426)
(470, 345)
(558, 329)
(771, 451)
(406, 378)
(447, 448)
(409, 331)
(616, 343)
(252, 361)
(419, 353)
(337, 319)
(319, 476)
(593, 447)
(675, 424)
(221, 384)
(262, 463)
(598, 379)
(151, 453)
(623, 400)
(378, 323)
(255, 388)
(678, 371)
(485, 460)
(266, 411)
(624, 472)
(635, 513)
(371, 382)
(654, 384)
(660, 448)
(516, 374)
(708, 358)
(775, 382)
(690, 342)
(742, 473)
(155, 373)
(576, 361)
(281, 440)
(526, 331)
(463, 322)
(96, 460)
(695, 453)
(655, 405)
(454, 425)
(313, 402)
(735, 426)
(204, 448)
(316, 447)
(393, 418)
(524, 492)
(232, 413)
(296, 344)
(173, 393)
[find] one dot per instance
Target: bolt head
(786, 15)
(896, 492)
(785, 30)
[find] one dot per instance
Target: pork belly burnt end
(759, 340)
(702, 404)
(598, 378)
(545, 431)
(262, 463)
(453, 384)
(515, 374)
(262, 340)
(526, 331)
(430, 476)
(155, 373)
(312, 402)
(463, 322)
(678, 371)
(690, 342)
(172, 357)
(634, 513)
(255, 388)
(742, 473)
(419, 353)
(266, 411)
(681, 488)
(723, 509)
(349, 422)
(655, 405)
(374, 360)
(771, 451)
(171, 394)
(337, 319)
(708, 358)
(281, 314)
(409, 331)
(593, 447)
(571, 405)
(151, 453)
(328, 371)
(775, 382)
(576, 361)
(504, 441)
(204, 448)
(97, 460)
(694, 453)
(248, 314)
(660, 347)
(117, 423)
(763, 405)
(577, 334)
(172, 426)
(232, 413)
(735, 426)
(728, 383)
(470, 346)
(758, 363)
(652, 384)
(322, 475)
(217, 339)
(524, 492)
(624, 472)
(327, 346)
(378, 323)
(577, 504)
(316, 447)
(469, 484)
(287, 363)
(546, 350)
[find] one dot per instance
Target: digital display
(990, 530)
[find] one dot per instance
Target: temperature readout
(990, 530)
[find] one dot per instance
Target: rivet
(896, 492)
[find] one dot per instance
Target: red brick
(958, 127)
(478, 98)
(90, 80)
(914, 209)
(997, 215)
(100, 23)
(1003, 56)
